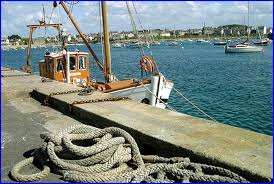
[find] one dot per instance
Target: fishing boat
(73, 67)
(246, 46)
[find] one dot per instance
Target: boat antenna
(44, 16)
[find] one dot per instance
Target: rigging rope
(203, 112)
(147, 37)
(168, 106)
(84, 153)
(142, 52)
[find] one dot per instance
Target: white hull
(242, 49)
(155, 94)
(202, 41)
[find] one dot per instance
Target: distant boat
(155, 43)
(134, 45)
(172, 43)
(263, 42)
(219, 43)
(242, 48)
(118, 45)
(188, 40)
(202, 41)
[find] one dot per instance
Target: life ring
(147, 64)
(101, 88)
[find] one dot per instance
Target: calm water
(235, 89)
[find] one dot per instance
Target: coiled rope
(84, 153)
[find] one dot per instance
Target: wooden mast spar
(106, 42)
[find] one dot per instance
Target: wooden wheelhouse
(70, 67)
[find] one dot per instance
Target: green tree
(14, 37)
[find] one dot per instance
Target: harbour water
(234, 89)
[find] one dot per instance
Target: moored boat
(118, 45)
(242, 48)
(263, 42)
(219, 43)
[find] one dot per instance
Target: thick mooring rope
(86, 154)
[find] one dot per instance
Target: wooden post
(29, 45)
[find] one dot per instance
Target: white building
(118, 36)
(69, 38)
(165, 34)
(262, 29)
(130, 35)
(269, 30)
(90, 38)
(5, 40)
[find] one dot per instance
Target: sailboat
(220, 42)
(202, 40)
(244, 47)
(73, 68)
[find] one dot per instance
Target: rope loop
(84, 153)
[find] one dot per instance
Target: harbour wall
(157, 131)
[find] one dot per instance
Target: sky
(153, 14)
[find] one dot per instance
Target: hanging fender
(147, 64)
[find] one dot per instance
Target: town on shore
(225, 32)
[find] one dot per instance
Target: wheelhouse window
(60, 65)
(49, 62)
(72, 63)
(82, 62)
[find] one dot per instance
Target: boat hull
(249, 49)
(156, 93)
(219, 43)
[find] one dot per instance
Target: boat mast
(82, 36)
(247, 20)
(106, 42)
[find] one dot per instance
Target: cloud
(163, 14)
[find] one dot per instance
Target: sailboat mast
(106, 42)
(248, 20)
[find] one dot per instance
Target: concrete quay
(156, 131)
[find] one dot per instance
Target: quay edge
(157, 131)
